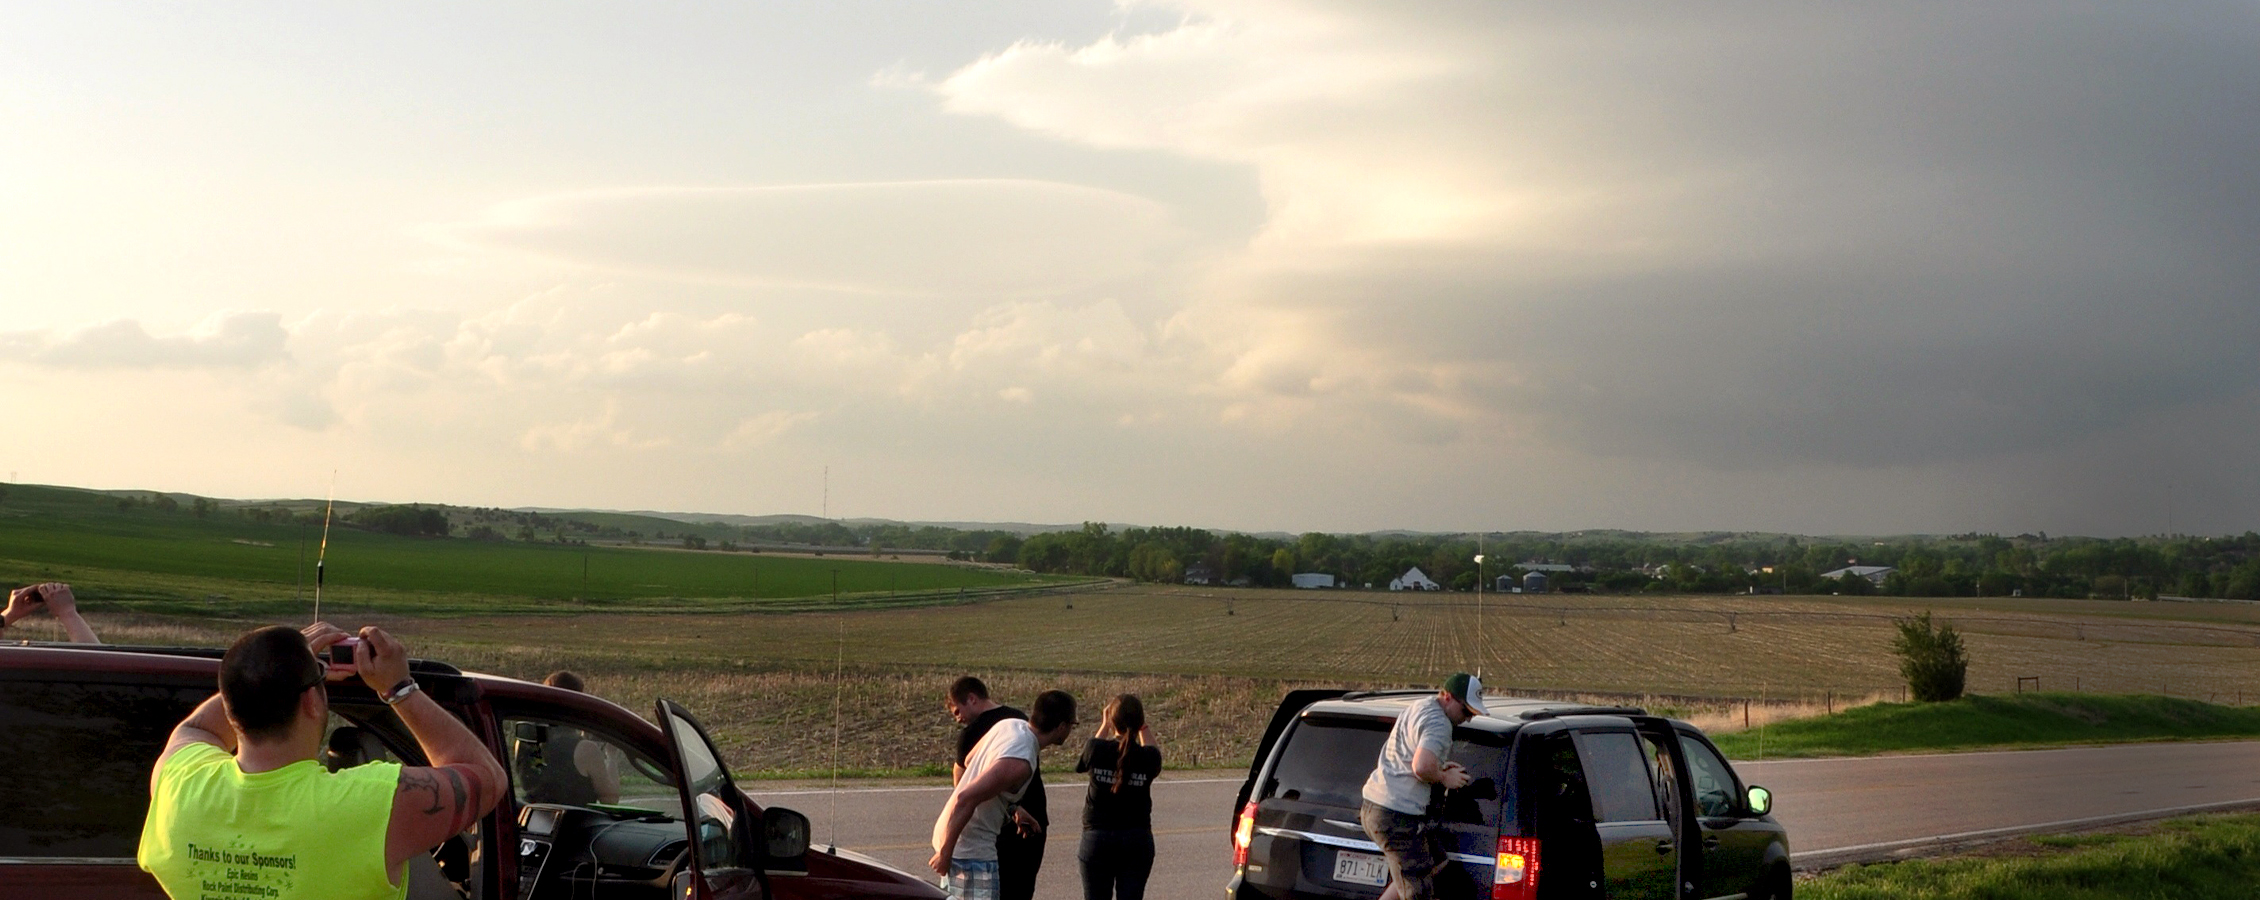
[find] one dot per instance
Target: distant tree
(693, 542)
(1283, 562)
(202, 508)
(1930, 658)
(164, 503)
(1151, 561)
(410, 521)
(1004, 548)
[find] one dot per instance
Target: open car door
(724, 861)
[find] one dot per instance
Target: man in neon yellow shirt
(240, 805)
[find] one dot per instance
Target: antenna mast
(319, 555)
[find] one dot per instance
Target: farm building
(1199, 573)
(1875, 574)
(1313, 580)
(1414, 580)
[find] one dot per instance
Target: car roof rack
(1391, 692)
(418, 666)
(1556, 712)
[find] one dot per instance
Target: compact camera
(341, 653)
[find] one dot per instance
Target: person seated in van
(569, 768)
(53, 598)
(1413, 757)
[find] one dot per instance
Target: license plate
(1360, 868)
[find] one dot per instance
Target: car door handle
(1663, 847)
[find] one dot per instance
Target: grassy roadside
(2196, 858)
(2016, 721)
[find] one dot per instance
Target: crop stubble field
(1211, 662)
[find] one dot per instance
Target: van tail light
(1242, 835)
(1516, 877)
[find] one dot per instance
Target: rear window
(81, 787)
(1327, 760)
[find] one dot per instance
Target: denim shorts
(971, 879)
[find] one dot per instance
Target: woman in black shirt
(1118, 830)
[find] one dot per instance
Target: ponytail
(1127, 716)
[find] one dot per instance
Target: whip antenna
(319, 555)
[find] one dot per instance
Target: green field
(158, 561)
(1995, 722)
(2199, 858)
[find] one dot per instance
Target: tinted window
(1327, 760)
(81, 787)
(1616, 773)
(1713, 782)
(555, 762)
(1663, 774)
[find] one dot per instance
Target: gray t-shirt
(1393, 783)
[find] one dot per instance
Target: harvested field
(1211, 662)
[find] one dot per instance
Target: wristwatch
(401, 691)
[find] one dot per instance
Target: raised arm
(54, 597)
(463, 782)
(206, 724)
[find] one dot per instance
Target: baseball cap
(1467, 689)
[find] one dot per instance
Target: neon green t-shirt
(296, 833)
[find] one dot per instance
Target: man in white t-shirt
(996, 772)
(1416, 755)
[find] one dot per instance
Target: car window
(1326, 760)
(556, 762)
(1664, 773)
(81, 787)
(1616, 773)
(1713, 783)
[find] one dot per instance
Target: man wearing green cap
(1395, 812)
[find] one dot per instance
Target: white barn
(1414, 580)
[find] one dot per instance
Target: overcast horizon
(1253, 265)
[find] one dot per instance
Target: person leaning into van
(240, 805)
(1395, 811)
(1118, 827)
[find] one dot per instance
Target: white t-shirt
(1008, 739)
(1393, 783)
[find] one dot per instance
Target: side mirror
(1759, 800)
(785, 834)
(530, 732)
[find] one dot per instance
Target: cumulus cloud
(226, 340)
(986, 237)
(1740, 236)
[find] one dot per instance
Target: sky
(1251, 264)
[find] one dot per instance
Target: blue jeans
(1115, 864)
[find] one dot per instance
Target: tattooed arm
(462, 783)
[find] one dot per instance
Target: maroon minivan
(80, 726)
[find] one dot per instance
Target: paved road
(1834, 808)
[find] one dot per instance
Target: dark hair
(1051, 710)
(564, 678)
(262, 676)
(967, 688)
(1125, 714)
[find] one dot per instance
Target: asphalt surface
(1835, 809)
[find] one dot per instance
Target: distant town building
(1414, 580)
(1199, 573)
(1874, 574)
(1313, 580)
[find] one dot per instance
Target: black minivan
(1569, 800)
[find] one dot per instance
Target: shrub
(1931, 659)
